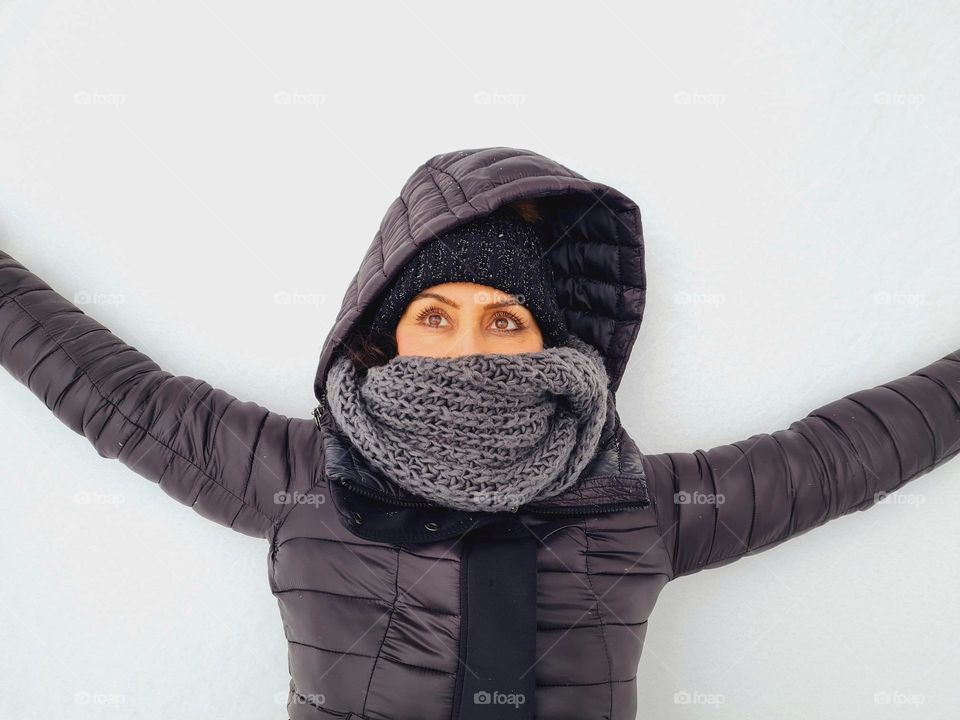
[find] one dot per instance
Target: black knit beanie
(500, 250)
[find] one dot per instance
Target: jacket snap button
(357, 518)
(431, 526)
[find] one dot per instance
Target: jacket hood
(596, 243)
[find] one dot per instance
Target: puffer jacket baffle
(397, 609)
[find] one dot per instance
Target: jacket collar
(372, 506)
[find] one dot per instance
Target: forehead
(469, 292)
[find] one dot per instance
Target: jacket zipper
(588, 509)
(383, 497)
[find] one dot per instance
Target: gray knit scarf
(480, 432)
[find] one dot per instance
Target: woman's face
(464, 318)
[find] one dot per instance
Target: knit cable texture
(482, 432)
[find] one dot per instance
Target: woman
(465, 530)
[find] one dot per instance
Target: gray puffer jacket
(397, 609)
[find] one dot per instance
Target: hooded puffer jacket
(397, 609)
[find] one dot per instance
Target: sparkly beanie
(500, 250)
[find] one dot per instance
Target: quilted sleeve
(231, 461)
(718, 505)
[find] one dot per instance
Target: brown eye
(504, 322)
(433, 317)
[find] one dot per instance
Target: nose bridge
(469, 337)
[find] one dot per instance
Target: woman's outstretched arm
(718, 505)
(230, 461)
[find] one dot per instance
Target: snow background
(796, 164)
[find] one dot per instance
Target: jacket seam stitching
(753, 491)
(603, 630)
(442, 194)
(364, 655)
(320, 479)
(678, 509)
(386, 631)
(253, 454)
(826, 487)
(926, 421)
(791, 487)
(375, 600)
(850, 447)
(455, 182)
(702, 457)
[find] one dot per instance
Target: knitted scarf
(483, 432)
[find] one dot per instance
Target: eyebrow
(448, 301)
